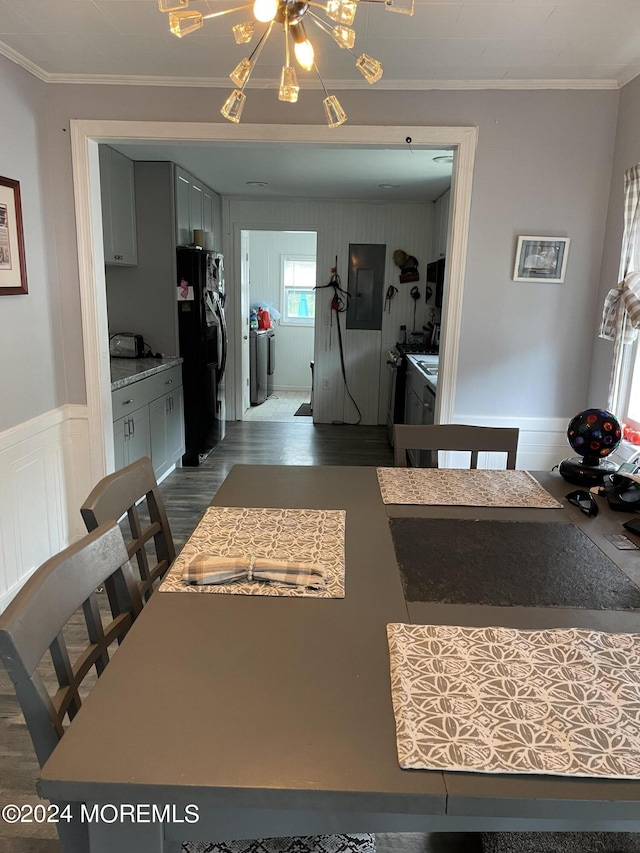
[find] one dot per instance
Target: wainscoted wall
(294, 344)
(45, 476)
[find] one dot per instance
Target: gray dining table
(272, 716)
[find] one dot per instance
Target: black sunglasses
(585, 502)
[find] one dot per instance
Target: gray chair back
(133, 491)
(34, 624)
(454, 437)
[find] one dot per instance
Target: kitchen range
(413, 368)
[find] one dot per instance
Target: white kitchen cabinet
(149, 420)
(197, 206)
(440, 226)
(117, 188)
(183, 207)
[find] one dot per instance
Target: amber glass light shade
(289, 88)
(344, 36)
(183, 23)
(333, 111)
(233, 106)
(243, 33)
(240, 73)
(369, 67)
(172, 5)
(342, 11)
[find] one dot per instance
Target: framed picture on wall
(541, 259)
(13, 268)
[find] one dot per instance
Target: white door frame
(85, 136)
(240, 286)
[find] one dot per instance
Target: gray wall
(543, 167)
(32, 376)
(627, 153)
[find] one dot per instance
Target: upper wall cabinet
(440, 226)
(117, 188)
(197, 207)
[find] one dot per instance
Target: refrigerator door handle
(223, 340)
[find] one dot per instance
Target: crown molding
(23, 62)
(355, 83)
(629, 74)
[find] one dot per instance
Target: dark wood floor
(188, 491)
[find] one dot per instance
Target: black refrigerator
(203, 347)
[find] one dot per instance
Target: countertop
(426, 364)
(124, 371)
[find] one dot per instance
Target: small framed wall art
(541, 259)
(13, 267)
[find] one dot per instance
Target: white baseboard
(45, 476)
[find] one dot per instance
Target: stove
(397, 362)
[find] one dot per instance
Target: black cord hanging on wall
(339, 302)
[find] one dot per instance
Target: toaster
(126, 345)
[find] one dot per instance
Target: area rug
(304, 411)
(507, 563)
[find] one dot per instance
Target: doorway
(85, 136)
(277, 280)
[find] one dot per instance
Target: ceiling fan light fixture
(341, 11)
(183, 23)
(233, 106)
(333, 111)
(443, 158)
(172, 5)
(243, 33)
(369, 67)
(289, 88)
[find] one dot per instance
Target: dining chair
(125, 492)
(35, 632)
(461, 437)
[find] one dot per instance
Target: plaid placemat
(463, 487)
(289, 535)
(563, 702)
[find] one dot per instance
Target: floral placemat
(563, 702)
(463, 487)
(306, 535)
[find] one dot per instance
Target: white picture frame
(541, 259)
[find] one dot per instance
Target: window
(298, 295)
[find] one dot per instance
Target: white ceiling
(296, 171)
(446, 44)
